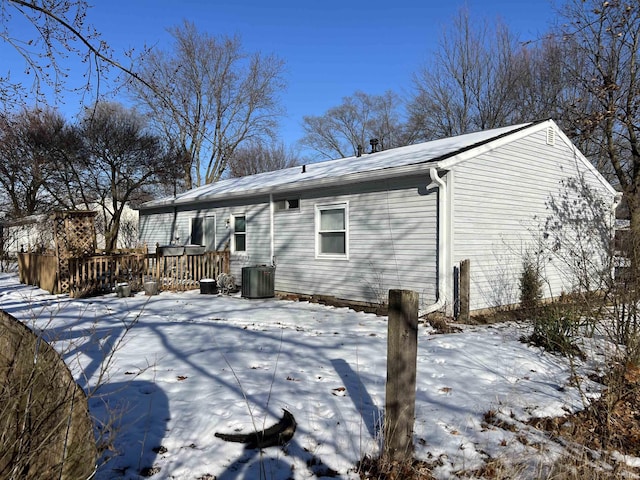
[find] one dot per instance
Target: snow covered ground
(177, 367)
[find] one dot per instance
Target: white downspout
(272, 244)
(443, 240)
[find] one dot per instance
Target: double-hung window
(332, 230)
(239, 233)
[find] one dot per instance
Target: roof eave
(297, 186)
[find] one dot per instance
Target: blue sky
(331, 48)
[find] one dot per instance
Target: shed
(34, 231)
(404, 218)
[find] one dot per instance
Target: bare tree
(120, 164)
(541, 88)
(50, 35)
(359, 118)
(55, 28)
(32, 143)
(211, 96)
(469, 85)
(256, 156)
(606, 75)
(47, 35)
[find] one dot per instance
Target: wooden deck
(98, 274)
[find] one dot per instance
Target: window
(287, 204)
(210, 233)
(332, 230)
(239, 233)
(203, 232)
(197, 232)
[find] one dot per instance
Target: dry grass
(589, 438)
(381, 469)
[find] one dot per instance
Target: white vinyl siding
(497, 194)
(500, 206)
(391, 241)
(154, 229)
(163, 227)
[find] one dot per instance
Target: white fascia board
(451, 162)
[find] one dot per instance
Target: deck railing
(183, 272)
(100, 273)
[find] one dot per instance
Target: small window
(239, 233)
(197, 232)
(287, 204)
(332, 230)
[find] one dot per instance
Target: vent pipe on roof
(374, 145)
(304, 168)
(359, 151)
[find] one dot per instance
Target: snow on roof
(28, 220)
(335, 170)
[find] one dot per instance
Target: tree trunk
(111, 233)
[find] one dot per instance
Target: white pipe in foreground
(443, 237)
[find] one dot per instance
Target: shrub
(556, 328)
(530, 284)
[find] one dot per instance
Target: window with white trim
(332, 230)
(239, 233)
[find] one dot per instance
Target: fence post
(402, 352)
(158, 265)
(465, 287)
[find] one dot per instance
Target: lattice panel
(75, 237)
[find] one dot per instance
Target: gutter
(443, 240)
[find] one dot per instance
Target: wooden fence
(183, 272)
(39, 269)
(100, 273)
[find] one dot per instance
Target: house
(35, 232)
(353, 228)
(31, 232)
